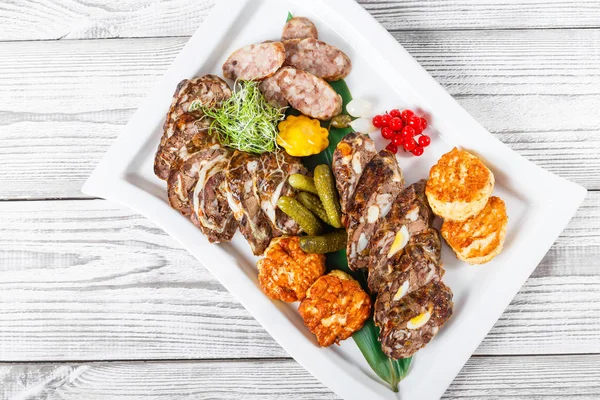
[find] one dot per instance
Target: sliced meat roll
(350, 157)
(272, 92)
(180, 124)
(208, 198)
(410, 214)
(309, 94)
(183, 178)
(254, 62)
(378, 187)
(410, 324)
(187, 127)
(299, 28)
(244, 201)
(271, 183)
(318, 58)
(418, 265)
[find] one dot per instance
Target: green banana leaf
(391, 371)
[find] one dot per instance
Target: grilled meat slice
(378, 187)
(407, 326)
(410, 214)
(271, 182)
(187, 127)
(208, 198)
(350, 157)
(183, 177)
(245, 203)
(209, 91)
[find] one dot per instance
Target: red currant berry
(395, 113)
(377, 121)
(424, 141)
(408, 132)
(392, 147)
(396, 123)
(387, 132)
(423, 123)
(410, 144)
(385, 119)
(406, 115)
(417, 151)
(398, 140)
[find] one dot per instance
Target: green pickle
(328, 243)
(313, 204)
(341, 121)
(328, 194)
(296, 211)
(303, 183)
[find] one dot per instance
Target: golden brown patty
(335, 307)
(481, 237)
(459, 185)
(286, 271)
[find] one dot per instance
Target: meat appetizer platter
(371, 226)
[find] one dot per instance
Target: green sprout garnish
(245, 121)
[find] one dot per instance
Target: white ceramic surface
(539, 204)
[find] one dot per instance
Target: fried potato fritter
(286, 271)
(335, 307)
(459, 185)
(480, 238)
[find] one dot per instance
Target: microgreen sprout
(245, 121)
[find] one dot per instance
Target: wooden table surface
(96, 302)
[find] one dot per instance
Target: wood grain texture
(89, 280)
(549, 377)
(62, 103)
(93, 19)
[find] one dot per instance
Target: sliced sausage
(180, 125)
(350, 157)
(272, 92)
(378, 187)
(308, 94)
(208, 90)
(255, 62)
(318, 58)
(183, 177)
(299, 28)
(245, 202)
(186, 128)
(208, 198)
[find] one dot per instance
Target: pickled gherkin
(296, 211)
(341, 121)
(313, 204)
(303, 183)
(328, 194)
(328, 243)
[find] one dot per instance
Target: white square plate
(539, 203)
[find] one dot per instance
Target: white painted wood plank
(62, 103)
(89, 280)
(549, 377)
(78, 19)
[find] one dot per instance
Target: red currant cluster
(401, 128)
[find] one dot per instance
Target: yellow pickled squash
(302, 136)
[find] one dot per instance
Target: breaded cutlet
(459, 185)
(480, 238)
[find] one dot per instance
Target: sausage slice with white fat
(309, 94)
(318, 58)
(272, 92)
(255, 62)
(299, 28)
